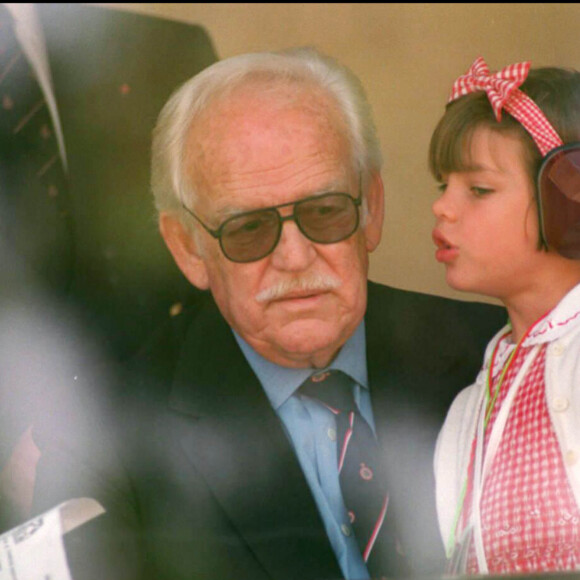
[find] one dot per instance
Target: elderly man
(266, 172)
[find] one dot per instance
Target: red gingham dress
(530, 520)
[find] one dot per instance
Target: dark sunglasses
(558, 196)
(252, 235)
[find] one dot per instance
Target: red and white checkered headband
(503, 93)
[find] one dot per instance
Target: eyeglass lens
(326, 219)
(559, 186)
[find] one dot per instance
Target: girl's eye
(481, 191)
(441, 187)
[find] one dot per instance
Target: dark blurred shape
(87, 264)
(42, 354)
(112, 72)
(34, 206)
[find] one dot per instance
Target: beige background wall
(407, 56)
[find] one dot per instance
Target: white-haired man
(266, 172)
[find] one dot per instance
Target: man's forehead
(253, 147)
(252, 103)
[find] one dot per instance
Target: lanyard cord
(491, 400)
(460, 504)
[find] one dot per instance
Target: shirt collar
(561, 320)
(280, 383)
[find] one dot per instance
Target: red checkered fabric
(530, 520)
(503, 93)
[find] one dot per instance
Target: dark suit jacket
(204, 480)
(112, 72)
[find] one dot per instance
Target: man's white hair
(302, 66)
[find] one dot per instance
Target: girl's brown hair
(555, 90)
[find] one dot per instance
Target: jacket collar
(563, 319)
(211, 375)
(254, 475)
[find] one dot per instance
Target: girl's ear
(375, 212)
(185, 250)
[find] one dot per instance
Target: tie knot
(332, 387)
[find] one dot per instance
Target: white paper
(35, 550)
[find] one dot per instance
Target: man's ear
(182, 245)
(373, 227)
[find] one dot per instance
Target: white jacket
(561, 330)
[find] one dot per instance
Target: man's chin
(308, 343)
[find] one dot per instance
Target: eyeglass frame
(217, 233)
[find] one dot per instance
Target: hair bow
(502, 89)
(498, 86)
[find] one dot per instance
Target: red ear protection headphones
(558, 197)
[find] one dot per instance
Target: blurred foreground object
(35, 548)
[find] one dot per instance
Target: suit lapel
(404, 378)
(237, 442)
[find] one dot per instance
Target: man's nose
(294, 252)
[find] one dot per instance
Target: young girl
(507, 464)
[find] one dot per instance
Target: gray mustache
(321, 282)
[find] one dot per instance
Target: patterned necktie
(35, 219)
(361, 473)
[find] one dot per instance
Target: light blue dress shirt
(311, 428)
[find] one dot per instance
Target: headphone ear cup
(559, 200)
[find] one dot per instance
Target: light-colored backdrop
(407, 56)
